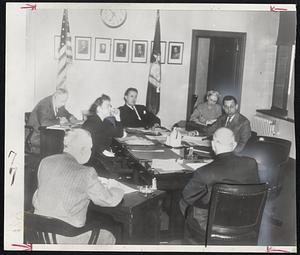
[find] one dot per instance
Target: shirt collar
(130, 106)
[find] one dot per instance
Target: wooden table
(173, 183)
(139, 215)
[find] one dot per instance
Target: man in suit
(49, 111)
(133, 115)
(66, 187)
(226, 167)
(233, 120)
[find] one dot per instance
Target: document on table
(135, 140)
(112, 183)
(66, 126)
(196, 140)
(195, 166)
(166, 165)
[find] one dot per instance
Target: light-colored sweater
(66, 187)
(203, 112)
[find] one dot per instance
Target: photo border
(145, 59)
(126, 59)
(90, 47)
(95, 45)
(170, 44)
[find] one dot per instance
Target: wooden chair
(234, 215)
(38, 229)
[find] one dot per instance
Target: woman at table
(207, 112)
(103, 124)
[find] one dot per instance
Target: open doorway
(217, 61)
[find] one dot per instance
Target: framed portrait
(121, 50)
(56, 46)
(163, 46)
(175, 53)
(83, 47)
(102, 49)
(139, 51)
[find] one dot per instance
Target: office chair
(272, 155)
(234, 216)
(38, 229)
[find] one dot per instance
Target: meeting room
(160, 125)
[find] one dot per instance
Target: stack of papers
(135, 140)
(166, 165)
(196, 140)
(112, 183)
(195, 166)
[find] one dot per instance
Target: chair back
(235, 213)
(271, 154)
(38, 229)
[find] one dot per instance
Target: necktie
(227, 121)
(136, 112)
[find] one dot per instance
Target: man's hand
(73, 119)
(63, 121)
(156, 125)
(116, 113)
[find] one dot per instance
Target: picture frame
(139, 51)
(83, 47)
(102, 49)
(56, 46)
(175, 53)
(121, 50)
(163, 45)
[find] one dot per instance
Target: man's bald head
(223, 141)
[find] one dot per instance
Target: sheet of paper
(112, 183)
(196, 140)
(59, 127)
(135, 140)
(170, 165)
(198, 165)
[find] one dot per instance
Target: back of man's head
(78, 143)
(223, 141)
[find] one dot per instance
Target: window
(282, 79)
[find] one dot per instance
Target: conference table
(140, 149)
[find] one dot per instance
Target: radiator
(263, 126)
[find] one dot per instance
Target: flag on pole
(154, 80)
(65, 52)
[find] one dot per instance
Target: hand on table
(63, 121)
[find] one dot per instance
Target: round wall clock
(113, 18)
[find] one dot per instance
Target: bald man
(66, 187)
(226, 168)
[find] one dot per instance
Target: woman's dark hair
(98, 102)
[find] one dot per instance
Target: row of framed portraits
(121, 50)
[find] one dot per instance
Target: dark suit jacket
(130, 119)
(226, 168)
(102, 132)
(43, 115)
(239, 125)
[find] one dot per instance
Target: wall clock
(113, 18)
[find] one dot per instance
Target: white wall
(89, 79)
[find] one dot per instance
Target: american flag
(65, 52)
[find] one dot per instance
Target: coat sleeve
(151, 118)
(44, 117)
(113, 130)
(101, 195)
(245, 134)
(194, 190)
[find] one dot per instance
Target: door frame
(241, 37)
